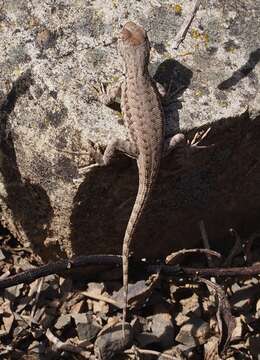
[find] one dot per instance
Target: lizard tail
(140, 202)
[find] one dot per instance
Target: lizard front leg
(108, 95)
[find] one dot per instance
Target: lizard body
(144, 117)
(143, 112)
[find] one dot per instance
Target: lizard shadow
(29, 203)
(242, 72)
(175, 79)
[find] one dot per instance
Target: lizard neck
(136, 63)
(137, 75)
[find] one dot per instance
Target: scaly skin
(144, 117)
(145, 120)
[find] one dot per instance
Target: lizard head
(133, 42)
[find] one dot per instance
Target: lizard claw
(99, 88)
(183, 152)
(98, 158)
(86, 169)
(198, 137)
(98, 155)
(101, 92)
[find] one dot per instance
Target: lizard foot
(98, 158)
(84, 170)
(101, 93)
(184, 152)
(183, 148)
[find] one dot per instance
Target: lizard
(144, 117)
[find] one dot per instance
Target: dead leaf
(137, 292)
(211, 349)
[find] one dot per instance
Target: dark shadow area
(218, 186)
(29, 203)
(242, 72)
(213, 186)
(175, 79)
(102, 207)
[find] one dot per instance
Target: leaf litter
(171, 317)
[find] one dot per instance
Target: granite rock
(51, 55)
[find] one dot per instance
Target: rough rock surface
(51, 53)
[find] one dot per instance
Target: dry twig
(205, 239)
(101, 298)
(61, 266)
(185, 26)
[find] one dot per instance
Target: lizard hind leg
(177, 140)
(124, 146)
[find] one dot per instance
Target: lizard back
(144, 117)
